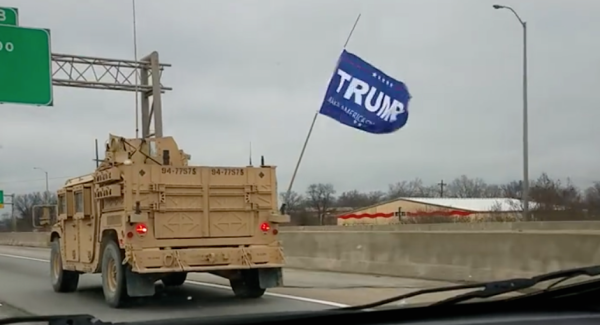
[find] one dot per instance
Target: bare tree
(23, 205)
(507, 211)
(321, 198)
(352, 199)
(464, 187)
(512, 190)
(570, 195)
(493, 191)
(293, 200)
(432, 191)
(295, 207)
(553, 195)
(5, 222)
(414, 188)
(592, 198)
(375, 197)
(356, 199)
(398, 189)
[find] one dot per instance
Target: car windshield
(429, 148)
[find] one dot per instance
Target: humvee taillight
(265, 226)
(141, 229)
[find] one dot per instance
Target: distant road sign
(26, 66)
(9, 16)
(1, 199)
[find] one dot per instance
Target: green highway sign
(25, 66)
(9, 16)
(1, 199)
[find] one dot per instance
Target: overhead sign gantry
(30, 70)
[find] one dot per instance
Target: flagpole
(137, 77)
(312, 125)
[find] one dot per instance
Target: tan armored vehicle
(145, 215)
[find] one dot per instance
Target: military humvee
(145, 215)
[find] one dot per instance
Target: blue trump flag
(363, 97)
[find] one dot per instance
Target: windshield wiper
(489, 289)
(55, 320)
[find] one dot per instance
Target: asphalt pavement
(25, 286)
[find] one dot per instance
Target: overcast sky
(256, 70)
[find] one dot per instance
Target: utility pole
(442, 185)
(47, 193)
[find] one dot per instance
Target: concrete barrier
(29, 239)
(448, 255)
(460, 226)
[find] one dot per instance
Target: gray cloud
(257, 71)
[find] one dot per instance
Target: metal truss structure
(113, 74)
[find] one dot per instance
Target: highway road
(25, 285)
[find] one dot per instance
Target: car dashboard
(401, 316)
(541, 318)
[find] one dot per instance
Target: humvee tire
(113, 275)
(174, 279)
(62, 280)
(247, 287)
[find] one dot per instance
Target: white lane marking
(214, 285)
(26, 258)
(272, 294)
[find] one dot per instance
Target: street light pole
(525, 116)
(525, 129)
(47, 194)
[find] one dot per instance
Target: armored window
(78, 201)
(87, 200)
(152, 148)
(62, 204)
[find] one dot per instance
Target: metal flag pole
(312, 125)
(137, 78)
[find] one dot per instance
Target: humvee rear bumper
(204, 259)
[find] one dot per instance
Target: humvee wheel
(62, 280)
(174, 279)
(113, 275)
(247, 286)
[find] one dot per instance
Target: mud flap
(270, 278)
(139, 285)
